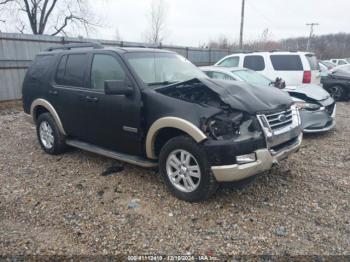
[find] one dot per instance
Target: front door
(113, 121)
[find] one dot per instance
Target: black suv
(154, 108)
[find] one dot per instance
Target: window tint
(254, 62)
(208, 73)
(286, 62)
(230, 62)
(341, 62)
(40, 69)
(223, 76)
(61, 69)
(105, 67)
(313, 62)
(71, 70)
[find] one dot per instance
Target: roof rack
(71, 46)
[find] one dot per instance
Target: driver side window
(105, 67)
(230, 62)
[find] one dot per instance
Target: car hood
(307, 92)
(238, 95)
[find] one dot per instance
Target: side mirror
(117, 87)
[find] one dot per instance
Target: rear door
(315, 69)
(289, 67)
(67, 93)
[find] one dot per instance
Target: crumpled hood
(245, 97)
(313, 92)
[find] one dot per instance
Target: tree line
(324, 46)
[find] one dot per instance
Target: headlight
(307, 106)
(223, 126)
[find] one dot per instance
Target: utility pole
(242, 26)
(311, 34)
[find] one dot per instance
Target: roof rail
(71, 46)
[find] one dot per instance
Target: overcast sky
(190, 22)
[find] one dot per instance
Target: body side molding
(171, 122)
(50, 108)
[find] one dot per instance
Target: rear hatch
(289, 67)
(314, 68)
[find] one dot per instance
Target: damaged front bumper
(318, 121)
(265, 159)
(283, 136)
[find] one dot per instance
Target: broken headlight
(307, 106)
(223, 126)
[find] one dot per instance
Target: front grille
(280, 119)
(330, 109)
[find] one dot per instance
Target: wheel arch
(40, 104)
(170, 123)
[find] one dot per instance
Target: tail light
(307, 77)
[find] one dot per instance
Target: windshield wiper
(162, 83)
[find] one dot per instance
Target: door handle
(53, 92)
(91, 99)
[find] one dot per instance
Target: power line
(242, 26)
(311, 34)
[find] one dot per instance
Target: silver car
(317, 108)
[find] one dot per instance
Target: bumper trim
(265, 160)
(320, 130)
(325, 129)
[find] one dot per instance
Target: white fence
(18, 50)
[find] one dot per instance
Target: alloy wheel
(183, 170)
(46, 135)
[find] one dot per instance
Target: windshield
(252, 77)
(163, 68)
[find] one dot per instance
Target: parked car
(337, 82)
(295, 68)
(317, 108)
(325, 67)
(153, 108)
(339, 62)
(328, 64)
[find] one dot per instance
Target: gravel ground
(63, 204)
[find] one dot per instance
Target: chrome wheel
(183, 171)
(46, 135)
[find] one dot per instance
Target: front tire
(49, 136)
(186, 171)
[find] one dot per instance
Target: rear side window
(286, 63)
(40, 68)
(219, 75)
(254, 62)
(313, 62)
(230, 62)
(71, 70)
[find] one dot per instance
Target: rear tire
(186, 171)
(49, 136)
(337, 92)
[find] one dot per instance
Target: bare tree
(157, 22)
(49, 16)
